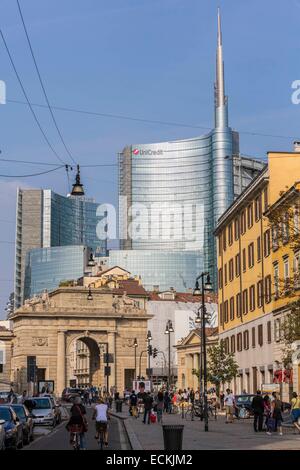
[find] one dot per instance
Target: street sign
(108, 358)
(107, 370)
(270, 388)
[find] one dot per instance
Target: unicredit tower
(172, 194)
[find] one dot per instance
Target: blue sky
(152, 59)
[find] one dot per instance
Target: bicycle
(75, 437)
(102, 429)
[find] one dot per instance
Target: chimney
(297, 146)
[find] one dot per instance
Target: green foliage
(222, 366)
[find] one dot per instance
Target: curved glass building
(172, 193)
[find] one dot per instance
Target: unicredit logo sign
(146, 152)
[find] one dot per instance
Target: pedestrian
(133, 404)
(244, 392)
(192, 396)
(258, 410)
(276, 407)
(222, 397)
(167, 402)
(229, 404)
(267, 414)
(148, 402)
(160, 406)
(295, 410)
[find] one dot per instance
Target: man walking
(258, 410)
(148, 402)
(229, 402)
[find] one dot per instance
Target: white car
(44, 412)
(2, 435)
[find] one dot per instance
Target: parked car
(2, 434)
(70, 393)
(26, 420)
(13, 428)
(243, 405)
(43, 412)
(3, 396)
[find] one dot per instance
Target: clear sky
(149, 59)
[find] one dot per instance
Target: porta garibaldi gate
(67, 333)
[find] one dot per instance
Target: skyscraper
(172, 193)
(46, 219)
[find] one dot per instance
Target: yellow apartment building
(251, 258)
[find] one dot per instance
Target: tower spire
(220, 98)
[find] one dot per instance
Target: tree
(221, 366)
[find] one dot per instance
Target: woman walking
(295, 404)
(267, 414)
(160, 406)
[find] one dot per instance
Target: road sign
(108, 358)
(107, 370)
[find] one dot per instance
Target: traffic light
(155, 351)
(150, 350)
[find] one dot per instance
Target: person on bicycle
(101, 416)
(78, 419)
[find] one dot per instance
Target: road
(58, 439)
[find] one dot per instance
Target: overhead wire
(42, 85)
(27, 99)
(33, 174)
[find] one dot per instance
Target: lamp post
(135, 345)
(205, 287)
(168, 331)
(149, 349)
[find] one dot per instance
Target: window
(238, 305)
(225, 273)
(230, 234)
(258, 244)
(276, 280)
(239, 341)
(275, 243)
(257, 208)
(246, 339)
(253, 337)
(245, 301)
(221, 314)
(220, 244)
(260, 335)
(296, 220)
(285, 229)
(250, 215)
(231, 269)
(220, 278)
(277, 329)
(244, 260)
(259, 293)
(297, 270)
(237, 265)
(236, 229)
(252, 297)
(266, 203)
(268, 287)
(243, 222)
(232, 344)
(267, 243)
(226, 311)
(224, 240)
(269, 332)
(286, 271)
(226, 345)
(251, 255)
(231, 308)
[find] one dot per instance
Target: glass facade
(45, 268)
(177, 269)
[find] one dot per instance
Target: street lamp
(168, 331)
(149, 338)
(205, 287)
(90, 295)
(135, 345)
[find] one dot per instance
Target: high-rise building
(172, 193)
(46, 219)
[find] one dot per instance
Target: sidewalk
(239, 435)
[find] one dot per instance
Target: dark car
(243, 406)
(12, 427)
(26, 421)
(70, 393)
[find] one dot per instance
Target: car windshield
(19, 411)
(5, 414)
(244, 399)
(42, 404)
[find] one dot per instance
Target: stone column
(61, 362)
(196, 366)
(111, 338)
(189, 376)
